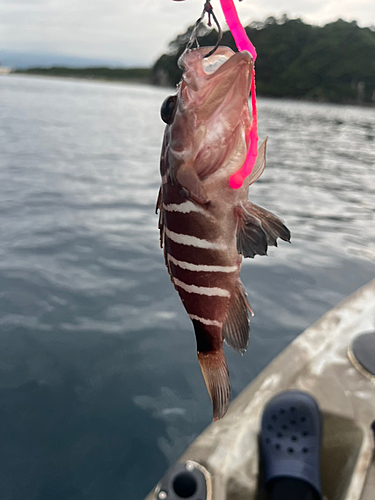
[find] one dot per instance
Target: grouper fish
(206, 227)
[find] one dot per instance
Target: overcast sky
(136, 32)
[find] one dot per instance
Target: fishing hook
(193, 38)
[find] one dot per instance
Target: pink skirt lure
(243, 43)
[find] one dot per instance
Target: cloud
(137, 32)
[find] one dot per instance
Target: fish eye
(167, 109)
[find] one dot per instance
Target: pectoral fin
(271, 224)
(187, 178)
(251, 238)
(236, 329)
(260, 163)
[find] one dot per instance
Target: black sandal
(291, 438)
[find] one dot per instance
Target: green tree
(333, 63)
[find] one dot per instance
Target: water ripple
(93, 333)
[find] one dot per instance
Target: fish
(207, 227)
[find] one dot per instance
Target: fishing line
(194, 38)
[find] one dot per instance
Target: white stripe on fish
(202, 290)
(209, 322)
(195, 267)
(185, 208)
(192, 241)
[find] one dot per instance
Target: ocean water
(100, 388)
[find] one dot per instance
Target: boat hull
(316, 362)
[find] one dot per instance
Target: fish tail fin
(215, 373)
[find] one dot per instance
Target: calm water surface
(100, 389)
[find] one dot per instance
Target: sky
(137, 32)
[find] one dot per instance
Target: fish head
(219, 82)
(208, 118)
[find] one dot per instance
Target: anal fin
(271, 224)
(215, 373)
(251, 238)
(236, 328)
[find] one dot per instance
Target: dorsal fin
(236, 329)
(251, 239)
(159, 207)
(159, 201)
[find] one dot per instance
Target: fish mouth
(197, 60)
(213, 63)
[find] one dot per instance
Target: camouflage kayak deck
(317, 362)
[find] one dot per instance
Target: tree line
(333, 63)
(140, 75)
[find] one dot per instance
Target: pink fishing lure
(243, 43)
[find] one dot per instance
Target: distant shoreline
(136, 75)
(143, 81)
(298, 61)
(81, 78)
